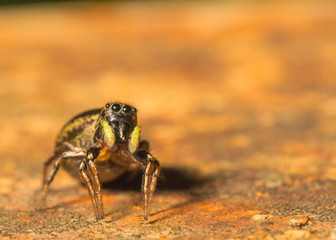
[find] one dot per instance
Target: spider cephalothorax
(122, 118)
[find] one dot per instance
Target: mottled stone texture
(238, 101)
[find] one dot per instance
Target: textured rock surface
(237, 100)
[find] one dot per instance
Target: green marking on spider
(108, 133)
(134, 140)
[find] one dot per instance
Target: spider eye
(107, 105)
(116, 107)
(126, 109)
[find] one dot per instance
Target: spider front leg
(141, 155)
(104, 136)
(150, 177)
(90, 177)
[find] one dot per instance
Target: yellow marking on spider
(134, 140)
(108, 133)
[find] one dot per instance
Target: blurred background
(241, 92)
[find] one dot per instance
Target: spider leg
(150, 177)
(56, 159)
(89, 175)
(70, 153)
(45, 167)
(154, 177)
(84, 173)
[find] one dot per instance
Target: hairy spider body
(98, 146)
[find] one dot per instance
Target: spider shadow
(187, 181)
(170, 179)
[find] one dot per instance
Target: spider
(100, 145)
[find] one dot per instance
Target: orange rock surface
(237, 100)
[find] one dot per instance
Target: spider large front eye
(126, 109)
(116, 107)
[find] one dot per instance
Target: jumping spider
(101, 144)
